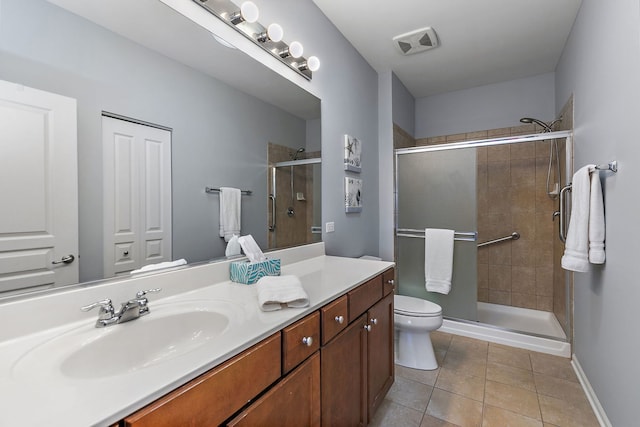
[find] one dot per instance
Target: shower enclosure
(499, 197)
(294, 206)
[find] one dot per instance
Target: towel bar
(471, 236)
(217, 190)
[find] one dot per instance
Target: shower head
(546, 127)
(298, 152)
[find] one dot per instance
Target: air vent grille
(416, 41)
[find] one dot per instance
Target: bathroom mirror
(223, 109)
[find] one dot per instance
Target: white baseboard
(591, 394)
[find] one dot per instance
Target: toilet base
(414, 350)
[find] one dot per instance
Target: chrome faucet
(129, 310)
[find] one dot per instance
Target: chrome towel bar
(513, 236)
(471, 236)
(217, 190)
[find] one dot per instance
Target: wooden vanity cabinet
(380, 343)
(334, 317)
(213, 397)
(300, 341)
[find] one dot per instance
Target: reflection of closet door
(38, 188)
(137, 195)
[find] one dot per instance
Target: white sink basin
(167, 332)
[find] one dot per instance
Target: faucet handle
(106, 308)
(140, 294)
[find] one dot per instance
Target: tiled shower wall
(511, 194)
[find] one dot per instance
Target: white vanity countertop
(34, 390)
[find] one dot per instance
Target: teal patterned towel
(250, 272)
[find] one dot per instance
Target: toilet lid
(415, 306)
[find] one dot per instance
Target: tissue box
(249, 272)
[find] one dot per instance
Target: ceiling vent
(416, 41)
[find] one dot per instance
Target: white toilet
(415, 318)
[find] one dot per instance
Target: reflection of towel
(160, 266)
(438, 259)
(230, 202)
(585, 238)
(276, 290)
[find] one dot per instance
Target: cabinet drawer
(334, 318)
(215, 396)
(300, 341)
(388, 281)
(364, 296)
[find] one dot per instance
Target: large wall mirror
(228, 116)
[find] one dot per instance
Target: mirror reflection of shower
(553, 191)
(294, 196)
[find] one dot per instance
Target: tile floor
(486, 384)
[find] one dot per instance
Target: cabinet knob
(367, 328)
(308, 341)
(340, 319)
(391, 282)
(374, 321)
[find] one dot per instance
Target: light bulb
(313, 63)
(275, 32)
(296, 50)
(249, 11)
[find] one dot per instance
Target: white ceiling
(481, 42)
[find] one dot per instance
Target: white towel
(230, 209)
(276, 290)
(585, 238)
(438, 259)
(160, 266)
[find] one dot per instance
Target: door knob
(67, 259)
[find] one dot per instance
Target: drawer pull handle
(340, 319)
(391, 282)
(367, 328)
(308, 341)
(374, 321)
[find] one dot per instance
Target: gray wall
(603, 73)
(50, 49)
(385, 162)
(486, 107)
(404, 106)
(348, 88)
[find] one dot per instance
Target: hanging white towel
(438, 259)
(230, 210)
(160, 266)
(273, 291)
(585, 238)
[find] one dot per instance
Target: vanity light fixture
(274, 33)
(246, 22)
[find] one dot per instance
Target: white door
(38, 188)
(137, 195)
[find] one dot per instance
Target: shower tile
(542, 150)
(499, 153)
(524, 223)
(544, 303)
(481, 134)
(523, 279)
(481, 178)
(483, 276)
(523, 253)
(523, 129)
(499, 278)
(483, 295)
(493, 133)
(524, 150)
(500, 254)
(456, 137)
(481, 155)
(483, 253)
(499, 297)
(544, 226)
(544, 282)
(498, 200)
(523, 199)
(544, 254)
(523, 300)
(499, 173)
(523, 172)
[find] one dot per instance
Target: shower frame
(567, 135)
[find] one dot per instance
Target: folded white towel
(230, 210)
(276, 290)
(438, 259)
(585, 238)
(159, 266)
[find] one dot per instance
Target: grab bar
(272, 226)
(563, 213)
(513, 236)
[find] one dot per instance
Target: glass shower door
(437, 189)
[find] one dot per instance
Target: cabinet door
(380, 351)
(388, 281)
(344, 377)
(293, 402)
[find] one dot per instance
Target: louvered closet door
(137, 195)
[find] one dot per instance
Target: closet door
(137, 195)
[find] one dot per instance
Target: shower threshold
(520, 319)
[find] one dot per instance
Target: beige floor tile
(509, 356)
(554, 366)
(512, 398)
(441, 340)
(424, 377)
(464, 385)
(455, 409)
(559, 388)
(497, 417)
(464, 363)
(392, 414)
(468, 346)
(566, 414)
(410, 393)
(512, 376)
(429, 421)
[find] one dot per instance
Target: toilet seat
(415, 307)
